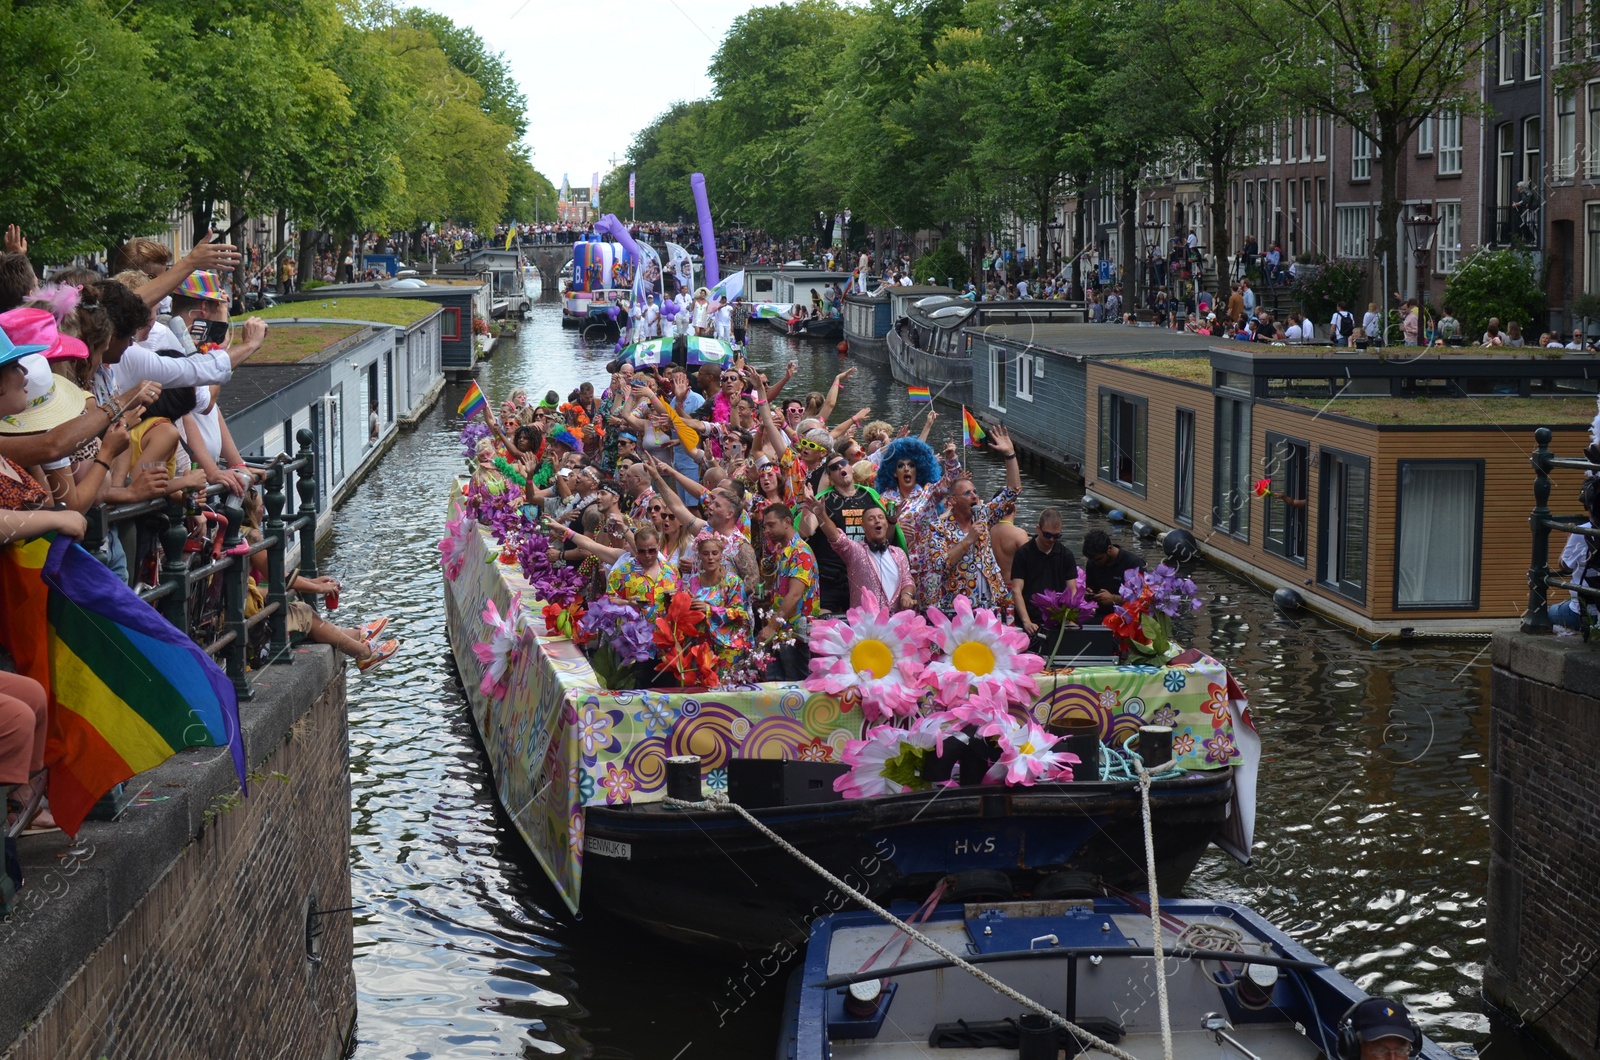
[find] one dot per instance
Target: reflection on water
(1372, 831)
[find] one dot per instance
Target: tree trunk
(1221, 246)
(308, 255)
(1130, 262)
(1080, 241)
(1389, 147)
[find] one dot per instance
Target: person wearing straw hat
(53, 400)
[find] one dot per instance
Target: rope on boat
(719, 800)
(1155, 907)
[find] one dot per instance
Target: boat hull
(950, 378)
(712, 878)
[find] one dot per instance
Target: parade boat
(930, 346)
(1236, 987)
(581, 772)
(602, 276)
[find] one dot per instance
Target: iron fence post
(234, 591)
(175, 568)
(1537, 618)
(277, 583)
(305, 483)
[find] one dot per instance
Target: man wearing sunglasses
(846, 505)
(1043, 563)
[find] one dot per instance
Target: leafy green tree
(85, 130)
(502, 99)
(530, 196)
(1496, 283)
(663, 155)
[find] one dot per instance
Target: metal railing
(1541, 579)
(185, 588)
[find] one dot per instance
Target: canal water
(1372, 829)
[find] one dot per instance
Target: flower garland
(506, 468)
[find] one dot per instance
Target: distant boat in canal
(1236, 986)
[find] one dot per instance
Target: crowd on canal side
(109, 400)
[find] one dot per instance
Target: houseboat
(929, 344)
(602, 275)
(463, 325)
(506, 272)
(1381, 490)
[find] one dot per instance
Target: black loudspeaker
(758, 783)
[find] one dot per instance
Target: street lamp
(1421, 228)
(1148, 228)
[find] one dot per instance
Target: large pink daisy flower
(981, 660)
(869, 759)
(1026, 756)
(872, 657)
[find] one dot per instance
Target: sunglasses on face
(1048, 536)
(647, 551)
(840, 466)
(811, 446)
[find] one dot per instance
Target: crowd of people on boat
(109, 397)
(769, 510)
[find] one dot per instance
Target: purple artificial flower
(620, 627)
(1173, 595)
(474, 432)
(1057, 608)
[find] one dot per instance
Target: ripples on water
(1372, 831)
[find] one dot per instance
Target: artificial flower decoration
(624, 638)
(453, 546)
(1263, 487)
(678, 632)
(982, 662)
(888, 762)
(499, 654)
(872, 657)
(1026, 755)
(562, 620)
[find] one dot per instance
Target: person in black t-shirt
(846, 503)
(1104, 565)
(1043, 563)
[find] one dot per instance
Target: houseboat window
(1582, 386)
(1234, 381)
(1497, 386)
(997, 378)
(1365, 386)
(1285, 529)
(1025, 376)
(1430, 387)
(1300, 387)
(1342, 536)
(1231, 509)
(1438, 517)
(1123, 430)
(763, 285)
(1183, 468)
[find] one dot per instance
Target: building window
(1322, 151)
(1591, 279)
(1288, 141)
(1533, 47)
(1447, 244)
(450, 324)
(1284, 532)
(1360, 155)
(1566, 145)
(1122, 440)
(1277, 141)
(1506, 63)
(1437, 533)
(1505, 175)
(1025, 369)
(1531, 146)
(1342, 535)
(1183, 469)
(997, 378)
(1425, 136)
(1305, 138)
(1591, 131)
(1562, 30)
(1355, 228)
(1450, 142)
(1231, 512)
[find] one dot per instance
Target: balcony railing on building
(1513, 226)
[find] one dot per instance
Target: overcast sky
(576, 63)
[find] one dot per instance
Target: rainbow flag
(472, 402)
(918, 394)
(127, 689)
(972, 432)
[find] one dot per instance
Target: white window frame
(997, 377)
(1450, 151)
(1425, 136)
(1306, 122)
(1505, 172)
(1591, 130)
(1322, 147)
(1360, 155)
(1447, 241)
(1025, 375)
(1353, 228)
(1532, 151)
(1505, 67)
(1533, 47)
(1288, 141)
(1565, 162)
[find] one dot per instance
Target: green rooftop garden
(1457, 412)
(399, 311)
(1189, 369)
(291, 345)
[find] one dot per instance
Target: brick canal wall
(180, 930)
(1544, 866)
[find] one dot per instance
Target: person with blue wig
(911, 484)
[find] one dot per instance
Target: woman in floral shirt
(719, 594)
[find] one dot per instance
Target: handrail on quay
(184, 592)
(1541, 579)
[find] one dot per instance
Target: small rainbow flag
(972, 432)
(126, 688)
(472, 402)
(918, 393)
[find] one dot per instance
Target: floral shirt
(635, 586)
(977, 574)
(794, 561)
(729, 620)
